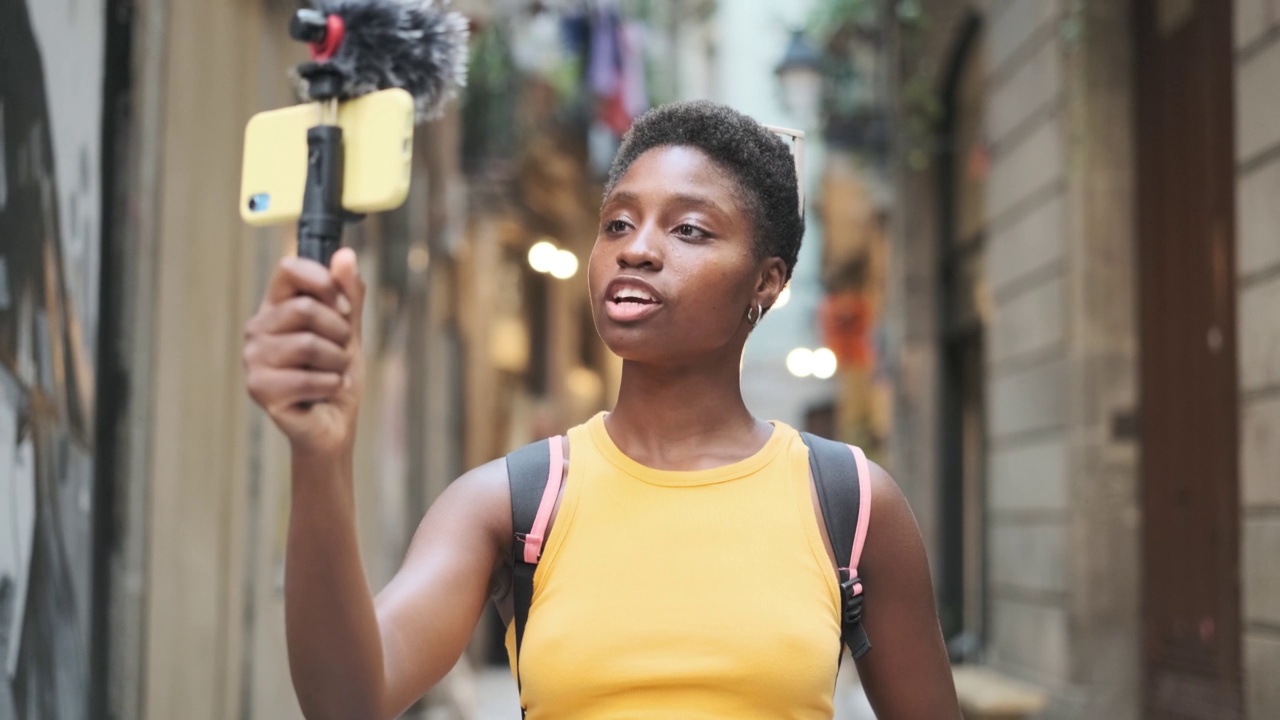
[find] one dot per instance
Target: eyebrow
(701, 201)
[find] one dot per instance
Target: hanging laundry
(635, 92)
(605, 68)
(613, 112)
(575, 33)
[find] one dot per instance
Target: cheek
(718, 288)
(597, 264)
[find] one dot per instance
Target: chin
(646, 347)
(632, 344)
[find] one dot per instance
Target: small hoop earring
(752, 321)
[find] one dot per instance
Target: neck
(686, 417)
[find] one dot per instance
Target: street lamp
(800, 78)
(857, 114)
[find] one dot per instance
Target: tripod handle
(320, 225)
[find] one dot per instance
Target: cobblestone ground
(498, 700)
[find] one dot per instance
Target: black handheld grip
(320, 225)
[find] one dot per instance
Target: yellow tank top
(663, 594)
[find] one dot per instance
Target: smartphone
(377, 132)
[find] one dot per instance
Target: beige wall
(1258, 318)
(1026, 348)
(199, 441)
(1063, 544)
(199, 597)
(1057, 290)
(1103, 545)
(1063, 548)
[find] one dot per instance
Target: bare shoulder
(893, 537)
(468, 527)
(906, 674)
(890, 512)
(485, 484)
(479, 498)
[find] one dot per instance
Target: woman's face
(674, 269)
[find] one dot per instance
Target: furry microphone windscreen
(417, 45)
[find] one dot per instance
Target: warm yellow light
(824, 363)
(419, 258)
(800, 362)
(564, 265)
(542, 256)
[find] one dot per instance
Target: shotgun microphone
(359, 46)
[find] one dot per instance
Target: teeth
(633, 295)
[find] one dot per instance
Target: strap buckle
(852, 597)
(530, 551)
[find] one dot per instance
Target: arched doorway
(961, 175)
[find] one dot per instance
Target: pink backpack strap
(864, 513)
(533, 473)
(842, 479)
(533, 541)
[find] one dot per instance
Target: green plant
(893, 31)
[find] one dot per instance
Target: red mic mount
(320, 224)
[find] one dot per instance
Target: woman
(687, 572)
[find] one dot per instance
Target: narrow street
(1030, 267)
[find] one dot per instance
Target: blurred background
(1040, 284)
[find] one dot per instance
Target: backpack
(839, 471)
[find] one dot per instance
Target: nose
(641, 250)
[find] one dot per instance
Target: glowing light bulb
(564, 265)
(542, 256)
(800, 362)
(824, 363)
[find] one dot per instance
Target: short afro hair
(757, 159)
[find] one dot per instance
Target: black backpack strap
(533, 494)
(838, 474)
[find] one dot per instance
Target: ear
(772, 278)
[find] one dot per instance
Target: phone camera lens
(258, 203)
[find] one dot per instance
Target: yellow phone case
(377, 132)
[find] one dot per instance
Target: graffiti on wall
(51, 55)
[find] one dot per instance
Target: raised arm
(352, 656)
(427, 613)
(906, 674)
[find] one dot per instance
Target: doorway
(1189, 390)
(962, 216)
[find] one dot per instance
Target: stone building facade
(1084, 344)
(148, 497)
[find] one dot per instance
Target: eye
(690, 232)
(615, 226)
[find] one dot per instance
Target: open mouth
(633, 296)
(631, 301)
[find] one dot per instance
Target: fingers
(285, 387)
(298, 350)
(300, 276)
(302, 313)
(346, 275)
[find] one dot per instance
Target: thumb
(347, 275)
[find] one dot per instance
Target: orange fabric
(846, 322)
(704, 594)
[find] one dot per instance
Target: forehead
(678, 170)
